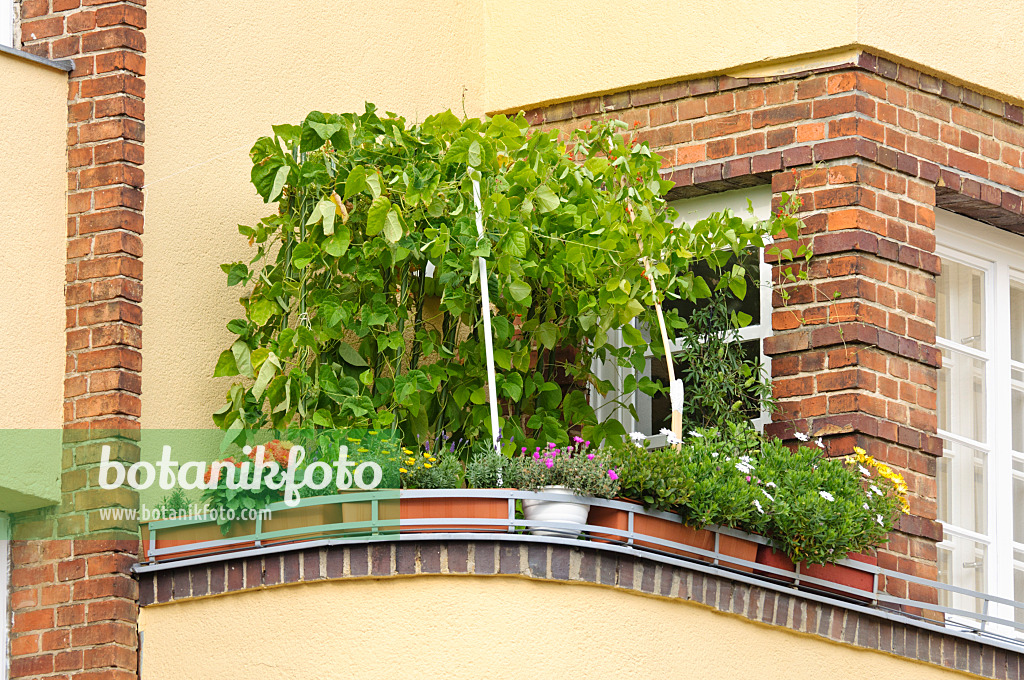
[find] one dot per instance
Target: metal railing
(385, 523)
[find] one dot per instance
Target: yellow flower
(411, 461)
(426, 454)
(427, 465)
(372, 432)
(432, 459)
(403, 470)
(351, 439)
(362, 450)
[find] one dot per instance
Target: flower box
(671, 530)
(176, 539)
(841, 574)
(451, 507)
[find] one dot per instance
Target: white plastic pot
(559, 518)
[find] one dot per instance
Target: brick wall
(74, 599)
(638, 575)
(871, 148)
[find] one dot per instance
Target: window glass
(960, 314)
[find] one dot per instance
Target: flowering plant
(435, 466)
(816, 509)
(582, 469)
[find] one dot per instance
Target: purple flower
(549, 462)
(524, 449)
(590, 456)
(748, 478)
(613, 475)
(578, 440)
(536, 455)
(551, 445)
(586, 443)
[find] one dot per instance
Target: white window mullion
(1000, 482)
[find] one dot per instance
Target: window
(652, 414)
(980, 331)
(7, 23)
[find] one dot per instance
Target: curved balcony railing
(379, 516)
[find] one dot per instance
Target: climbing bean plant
(361, 302)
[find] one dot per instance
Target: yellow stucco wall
(264, 63)
(33, 165)
(255, 65)
(541, 51)
(484, 627)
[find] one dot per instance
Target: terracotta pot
(836, 573)
(300, 518)
(183, 536)
(362, 511)
(454, 507)
(656, 527)
(739, 548)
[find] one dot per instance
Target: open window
(980, 331)
(654, 413)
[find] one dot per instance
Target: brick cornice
(585, 566)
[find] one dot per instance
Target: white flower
(747, 460)
(864, 471)
(767, 495)
(771, 484)
(827, 496)
(757, 505)
(819, 443)
(878, 518)
(865, 506)
(745, 469)
(694, 433)
(670, 436)
(714, 454)
(803, 437)
(876, 490)
(637, 436)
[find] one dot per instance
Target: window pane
(1017, 321)
(960, 315)
(1018, 509)
(1017, 408)
(751, 302)
(962, 563)
(962, 395)
(1018, 596)
(961, 487)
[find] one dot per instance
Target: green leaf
(237, 273)
(519, 291)
(373, 181)
(339, 243)
(547, 334)
(377, 215)
(225, 365)
(547, 200)
(350, 355)
(240, 350)
(302, 255)
(632, 336)
(325, 130)
(261, 310)
(503, 358)
(279, 179)
(323, 212)
(267, 371)
(474, 154)
(392, 226)
(356, 182)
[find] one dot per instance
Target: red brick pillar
(73, 596)
(853, 351)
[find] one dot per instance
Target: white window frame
(1000, 255)
(7, 23)
(691, 211)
